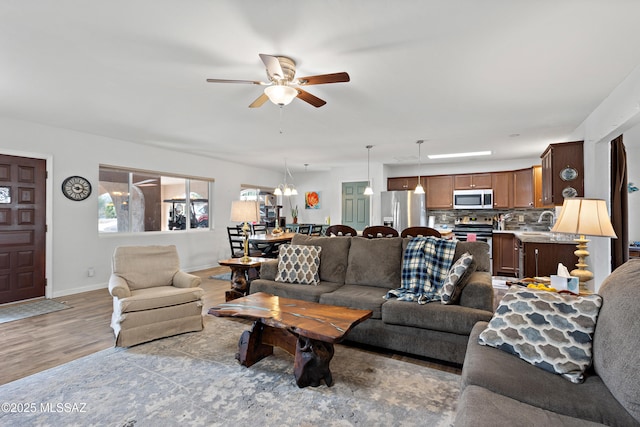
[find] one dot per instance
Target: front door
(355, 205)
(22, 228)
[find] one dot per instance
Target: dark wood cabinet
(472, 181)
(562, 172)
(402, 183)
(546, 257)
(505, 254)
(439, 192)
(523, 194)
(502, 184)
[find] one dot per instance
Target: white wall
(73, 243)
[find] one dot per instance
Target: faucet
(553, 217)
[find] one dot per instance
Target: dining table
(269, 243)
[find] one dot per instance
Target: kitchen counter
(539, 236)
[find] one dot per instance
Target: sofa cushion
(479, 251)
(374, 262)
(333, 257)
(293, 290)
(146, 266)
(510, 376)
(456, 278)
(547, 329)
(615, 343)
(357, 296)
(298, 264)
(434, 316)
(159, 296)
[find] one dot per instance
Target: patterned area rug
(194, 380)
(225, 276)
(30, 309)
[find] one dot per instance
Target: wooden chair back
(340, 230)
(258, 228)
(420, 231)
(304, 228)
(316, 230)
(376, 231)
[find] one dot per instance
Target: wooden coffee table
(307, 330)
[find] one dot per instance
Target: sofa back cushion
(616, 353)
(333, 256)
(146, 266)
(374, 262)
(479, 251)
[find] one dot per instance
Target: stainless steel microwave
(472, 199)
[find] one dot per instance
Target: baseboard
(72, 291)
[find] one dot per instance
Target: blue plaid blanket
(425, 265)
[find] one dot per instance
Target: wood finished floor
(41, 342)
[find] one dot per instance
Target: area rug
(30, 309)
(225, 276)
(194, 380)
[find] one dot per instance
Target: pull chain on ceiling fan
(282, 87)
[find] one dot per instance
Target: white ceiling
(461, 74)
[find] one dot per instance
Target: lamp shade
(588, 217)
(245, 211)
(280, 94)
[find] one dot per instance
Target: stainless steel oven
(473, 199)
(481, 227)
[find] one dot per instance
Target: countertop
(539, 236)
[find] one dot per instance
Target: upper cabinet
(502, 184)
(523, 194)
(472, 181)
(402, 183)
(439, 192)
(562, 172)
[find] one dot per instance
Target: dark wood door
(355, 205)
(22, 228)
(505, 254)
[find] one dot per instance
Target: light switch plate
(520, 218)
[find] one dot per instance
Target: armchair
(152, 297)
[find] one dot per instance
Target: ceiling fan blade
(249, 82)
(273, 66)
(259, 101)
(324, 78)
(311, 99)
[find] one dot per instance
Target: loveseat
(501, 389)
(357, 272)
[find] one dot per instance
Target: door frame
(48, 248)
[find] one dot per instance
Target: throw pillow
(456, 278)
(299, 264)
(549, 330)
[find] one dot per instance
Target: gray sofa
(499, 389)
(357, 272)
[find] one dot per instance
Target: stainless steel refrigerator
(402, 209)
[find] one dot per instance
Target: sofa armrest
(185, 280)
(478, 292)
(269, 270)
(118, 287)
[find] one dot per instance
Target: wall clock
(76, 188)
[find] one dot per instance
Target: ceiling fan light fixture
(280, 94)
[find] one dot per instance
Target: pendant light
(419, 189)
(368, 191)
(286, 189)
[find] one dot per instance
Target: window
(132, 201)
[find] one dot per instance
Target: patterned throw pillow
(453, 283)
(299, 264)
(549, 330)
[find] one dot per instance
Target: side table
(242, 273)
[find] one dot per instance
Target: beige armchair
(152, 297)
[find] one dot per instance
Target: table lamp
(584, 217)
(245, 211)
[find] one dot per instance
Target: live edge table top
(328, 323)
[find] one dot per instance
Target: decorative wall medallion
(569, 192)
(76, 188)
(5, 194)
(568, 174)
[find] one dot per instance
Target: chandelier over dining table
(286, 189)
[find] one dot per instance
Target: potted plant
(294, 214)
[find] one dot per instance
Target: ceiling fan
(282, 87)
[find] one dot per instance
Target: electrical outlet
(520, 218)
(444, 217)
(91, 272)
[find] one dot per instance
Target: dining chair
(258, 228)
(304, 228)
(376, 231)
(340, 230)
(420, 231)
(316, 230)
(236, 243)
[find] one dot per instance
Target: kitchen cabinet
(523, 194)
(502, 184)
(472, 181)
(541, 259)
(402, 183)
(505, 254)
(439, 192)
(562, 172)
(537, 188)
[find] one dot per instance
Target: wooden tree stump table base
(304, 329)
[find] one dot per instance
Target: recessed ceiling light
(447, 156)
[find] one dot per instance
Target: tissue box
(570, 284)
